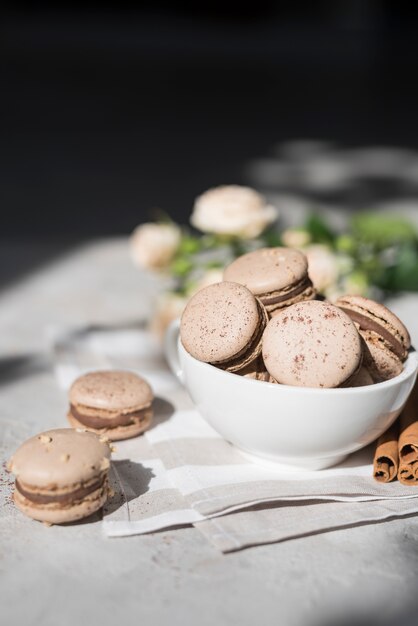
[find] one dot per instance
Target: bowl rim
(410, 369)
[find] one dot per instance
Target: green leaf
(237, 247)
(346, 244)
(382, 231)
(189, 245)
(272, 238)
(214, 264)
(356, 283)
(403, 274)
(181, 266)
(209, 242)
(319, 229)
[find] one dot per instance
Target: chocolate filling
(269, 299)
(366, 323)
(65, 498)
(123, 419)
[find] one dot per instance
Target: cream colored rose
(153, 245)
(322, 266)
(210, 277)
(232, 210)
(169, 307)
(356, 284)
(295, 238)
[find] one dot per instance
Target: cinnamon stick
(408, 441)
(386, 457)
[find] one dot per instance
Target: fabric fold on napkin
(215, 477)
(182, 472)
(299, 502)
(281, 522)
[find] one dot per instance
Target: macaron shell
(252, 351)
(312, 344)
(379, 313)
(60, 458)
(379, 359)
(268, 270)
(219, 322)
(113, 390)
(118, 432)
(71, 513)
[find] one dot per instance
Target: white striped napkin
(183, 472)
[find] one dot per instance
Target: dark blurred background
(107, 113)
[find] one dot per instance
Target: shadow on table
(163, 410)
(409, 616)
(131, 480)
(21, 366)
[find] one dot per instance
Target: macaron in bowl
(61, 475)
(386, 339)
(223, 324)
(114, 403)
(288, 425)
(277, 276)
(312, 344)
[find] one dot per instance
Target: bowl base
(294, 463)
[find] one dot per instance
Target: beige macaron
(312, 344)
(61, 475)
(277, 276)
(386, 339)
(117, 404)
(223, 324)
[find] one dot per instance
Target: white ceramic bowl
(305, 427)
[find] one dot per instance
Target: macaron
(386, 339)
(61, 475)
(277, 276)
(223, 324)
(312, 344)
(256, 370)
(117, 404)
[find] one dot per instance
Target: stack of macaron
(265, 322)
(62, 475)
(278, 277)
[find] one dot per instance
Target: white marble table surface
(74, 575)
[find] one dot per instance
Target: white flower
(210, 277)
(232, 210)
(169, 307)
(322, 266)
(153, 245)
(295, 238)
(356, 284)
(333, 292)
